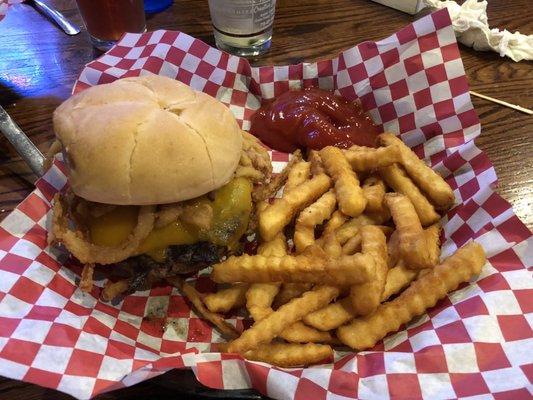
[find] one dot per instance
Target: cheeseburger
(162, 180)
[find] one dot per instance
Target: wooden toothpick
(503, 103)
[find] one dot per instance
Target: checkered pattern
(475, 343)
(4, 5)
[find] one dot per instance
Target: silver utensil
(68, 27)
(22, 144)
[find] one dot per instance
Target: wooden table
(39, 63)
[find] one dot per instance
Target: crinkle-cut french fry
(319, 211)
(268, 328)
(423, 293)
(298, 174)
(311, 216)
(336, 221)
(301, 333)
(433, 241)
(369, 159)
(374, 191)
(276, 247)
(397, 179)
(289, 291)
(295, 333)
(277, 215)
(196, 299)
(393, 249)
(353, 245)
(351, 228)
(259, 299)
(259, 306)
(336, 314)
(367, 296)
(317, 167)
(290, 355)
(387, 231)
(332, 246)
(414, 247)
(433, 185)
(312, 266)
(347, 188)
(398, 277)
(260, 296)
(332, 316)
(227, 299)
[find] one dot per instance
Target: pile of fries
(349, 253)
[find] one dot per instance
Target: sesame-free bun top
(146, 140)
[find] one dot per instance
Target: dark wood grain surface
(39, 64)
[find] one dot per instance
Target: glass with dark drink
(107, 20)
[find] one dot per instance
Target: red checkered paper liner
(476, 343)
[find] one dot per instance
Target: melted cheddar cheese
(232, 206)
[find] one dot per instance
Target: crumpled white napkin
(470, 24)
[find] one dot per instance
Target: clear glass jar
(243, 27)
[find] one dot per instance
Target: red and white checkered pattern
(4, 5)
(476, 343)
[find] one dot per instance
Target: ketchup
(312, 118)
